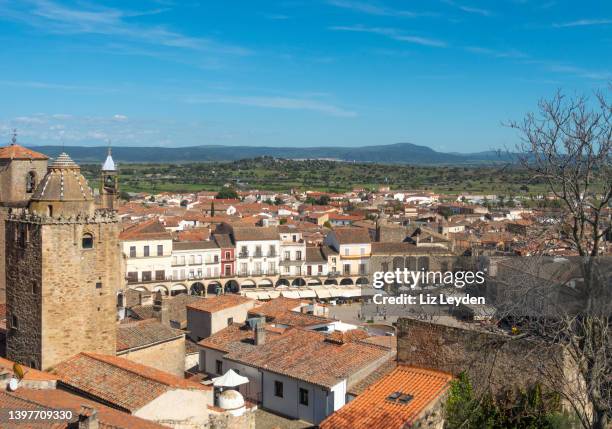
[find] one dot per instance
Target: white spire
(109, 164)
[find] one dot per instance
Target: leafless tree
(568, 144)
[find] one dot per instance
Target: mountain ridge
(395, 153)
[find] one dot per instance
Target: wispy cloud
(56, 18)
(285, 103)
(476, 10)
(375, 9)
(569, 69)
(512, 53)
(469, 9)
(392, 33)
(584, 23)
(53, 86)
(276, 16)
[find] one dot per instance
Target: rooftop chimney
(260, 334)
(88, 418)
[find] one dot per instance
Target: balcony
(211, 262)
(243, 255)
(291, 262)
(272, 254)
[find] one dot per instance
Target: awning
(291, 294)
(323, 293)
(252, 295)
(307, 293)
(274, 294)
(263, 295)
(335, 292)
(230, 379)
(351, 292)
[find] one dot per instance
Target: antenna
(14, 138)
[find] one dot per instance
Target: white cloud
(392, 33)
(120, 117)
(512, 53)
(373, 9)
(286, 103)
(584, 23)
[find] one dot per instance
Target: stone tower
(63, 272)
(21, 170)
(109, 183)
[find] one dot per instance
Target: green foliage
(227, 193)
(531, 409)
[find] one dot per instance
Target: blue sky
(440, 73)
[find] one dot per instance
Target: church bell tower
(109, 183)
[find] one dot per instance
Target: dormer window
(88, 241)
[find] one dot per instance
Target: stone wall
(491, 360)
(168, 356)
(13, 178)
(72, 308)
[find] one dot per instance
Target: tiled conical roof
(63, 182)
(63, 161)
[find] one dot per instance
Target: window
(34, 287)
(160, 275)
(362, 251)
(346, 251)
(50, 210)
(227, 255)
(294, 238)
(14, 322)
(160, 250)
(243, 251)
(230, 321)
(298, 255)
(146, 276)
(287, 256)
(272, 267)
(216, 258)
(347, 269)
(30, 182)
(320, 269)
(146, 251)
(132, 277)
(278, 389)
(303, 396)
(257, 251)
(87, 242)
(132, 251)
(219, 367)
(98, 285)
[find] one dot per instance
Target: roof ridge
(104, 358)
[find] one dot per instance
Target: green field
(330, 176)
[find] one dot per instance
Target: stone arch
(197, 288)
(398, 262)
(30, 182)
(346, 282)
(141, 289)
(298, 282)
(248, 284)
(362, 281)
(423, 263)
(178, 289)
(213, 287)
(282, 282)
(87, 240)
(314, 282)
(411, 263)
(331, 282)
(265, 283)
(163, 289)
(120, 299)
(232, 286)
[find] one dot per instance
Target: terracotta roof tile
(236, 338)
(108, 418)
(143, 333)
(372, 409)
(307, 355)
(150, 229)
(15, 151)
(352, 235)
(118, 381)
(217, 303)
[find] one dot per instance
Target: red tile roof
(307, 355)
(30, 374)
(108, 418)
(372, 409)
(15, 151)
(150, 229)
(236, 338)
(352, 235)
(121, 382)
(143, 333)
(217, 303)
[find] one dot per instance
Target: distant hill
(398, 153)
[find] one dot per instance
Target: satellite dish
(18, 371)
(13, 384)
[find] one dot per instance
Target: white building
(257, 251)
(292, 251)
(354, 247)
(193, 260)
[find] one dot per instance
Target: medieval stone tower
(109, 183)
(63, 270)
(21, 170)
